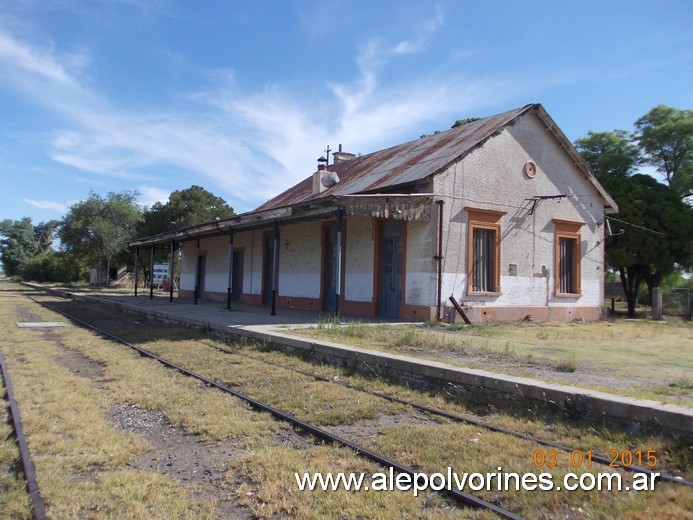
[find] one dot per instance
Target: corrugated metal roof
(402, 164)
(383, 172)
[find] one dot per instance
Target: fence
(677, 302)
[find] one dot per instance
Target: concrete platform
(257, 323)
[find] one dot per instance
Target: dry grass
(674, 456)
(329, 404)
(313, 401)
(14, 499)
(265, 476)
(270, 489)
(465, 448)
(81, 459)
(216, 416)
(639, 358)
(77, 452)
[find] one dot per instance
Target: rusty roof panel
(401, 164)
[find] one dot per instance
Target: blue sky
(242, 97)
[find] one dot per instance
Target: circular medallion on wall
(530, 169)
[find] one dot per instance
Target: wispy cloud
(422, 35)
(34, 61)
(59, 207)
(250, 146)
(110, 141)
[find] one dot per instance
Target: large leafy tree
(657, 237)
(21, 241)
(98, 228)
(665, 135)
(610, 154)
(184, 208)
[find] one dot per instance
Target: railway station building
(502, 214)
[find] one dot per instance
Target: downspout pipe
(338, 274)
(197, 271)
(151, 274)
(274, 268)
(439, 260)
(137, 268)
(170, 272)
(228, 289)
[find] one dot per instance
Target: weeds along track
(97, 311)
(320, 433)
(27, 464)
(201, 358)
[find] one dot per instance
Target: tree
(98, 229)
(17, 245)
(184, 208)
(21, 241)
(54, 266)
(665, 135)
(659, 237)
(457, 123)
(44, 234)
(609, 153)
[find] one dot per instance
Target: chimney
(342, 156)
(318, 176)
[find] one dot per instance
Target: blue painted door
(390, 268)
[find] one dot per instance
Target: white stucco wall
(252, 243)
(421, 267)
(359, 259)
(187, 266)
(217, 263)
(300, 259)
(492, 178)
(216, 252)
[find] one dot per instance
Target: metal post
(197, 270)
(137, 268)
(274, 269)
(338, 274)
(439, 260)
(151, 274)
(170, 272)
(656, 303)
(228, 290)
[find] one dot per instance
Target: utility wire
(636, 226)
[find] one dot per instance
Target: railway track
(319, 433)
(84, 315)
(595, 457)
(37, 505)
